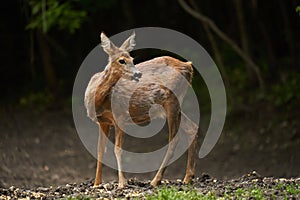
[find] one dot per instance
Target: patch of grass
(245, 193)
(289, 189)
(239, 192)
(77, 198)
(292, 189)
(176, 193)
(256, 192)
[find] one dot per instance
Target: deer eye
(122, 61)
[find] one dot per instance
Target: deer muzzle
(136, 75)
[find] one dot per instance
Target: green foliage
(285, 92)
(289, 189)
(298, 10)
(37, 100)
(77, 198)
(254, 192)
(239, 79)
(239, 192)
(50, 14)
(292, 189)
(174, 193)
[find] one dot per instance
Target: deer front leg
(102, 139)
(173, 120)
(118, 152)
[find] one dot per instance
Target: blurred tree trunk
(217, 53)
(289, 37)
(32, 56)
(243, 34)
(49, 70)
(224, 37)
(265, 35)
(25, 10)
(213, 43)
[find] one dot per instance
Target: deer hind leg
(173, 116)
(191, 129)
(118, 152)
(102, 139)
(190, 168)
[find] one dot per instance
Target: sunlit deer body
(153, 91)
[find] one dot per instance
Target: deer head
(120, 61)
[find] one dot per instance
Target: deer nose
(137, 74)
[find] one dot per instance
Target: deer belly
(144, 102)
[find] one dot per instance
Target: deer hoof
(96, 184)
(121, 185)
(187, 179)
(154, 183)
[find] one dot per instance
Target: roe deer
(121, 68)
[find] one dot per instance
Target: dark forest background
(44, 43)
(255, 44)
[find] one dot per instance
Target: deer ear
(106, 44)
(129, 43)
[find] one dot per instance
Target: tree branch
(225, 38)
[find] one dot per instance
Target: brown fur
(151, 91)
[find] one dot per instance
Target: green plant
(293, 189)
(298, 10)
(256, 193)
(55, 14)
(285, 92)
(37, 100)
(79, 197)
(179, 194)
(239, 192)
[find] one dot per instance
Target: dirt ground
(248, 186)
(43, 149)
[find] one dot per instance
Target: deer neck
(110, 78)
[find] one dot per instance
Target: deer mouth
(133, 78)
(136, 76)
